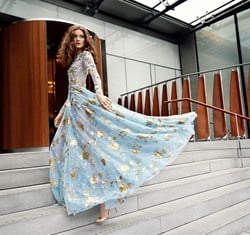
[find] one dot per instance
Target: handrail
(239, 150)
(185, 75)
(209, 106)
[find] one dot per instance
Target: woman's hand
(105, 102)
(58, 119)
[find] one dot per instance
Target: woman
(101, 151)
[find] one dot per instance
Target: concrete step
(194, 151)
(10, 161)
(25, 198)
(174, 172)
(232, 220)
(24, 177)
(146, 196)
(153, 220)
(40, 175)
(152, 195)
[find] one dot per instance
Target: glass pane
(244, 21)
(217, 45)
(190, 10)
(217, 48)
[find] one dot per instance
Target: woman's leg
(104, 213)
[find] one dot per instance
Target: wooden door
(24, 90)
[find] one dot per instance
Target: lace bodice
(82, 66)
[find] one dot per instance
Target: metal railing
(186, 75)
(236, 115)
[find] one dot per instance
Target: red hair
(67, 52)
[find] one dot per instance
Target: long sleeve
(89, 64)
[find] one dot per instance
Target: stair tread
(24, 189)
(198, 162)
(182, 181)
(30, 214)
(135, 217)
(142, 189)
(23, 169)
(165, 168)
(214, 221)
(121, 222)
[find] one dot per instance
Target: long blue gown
(100, 156)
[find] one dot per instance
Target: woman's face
(78, 39)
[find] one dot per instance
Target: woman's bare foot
(104, 214)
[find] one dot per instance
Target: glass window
(200, 9)
(217, 48)
(244, 21)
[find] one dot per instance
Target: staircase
(205, 191)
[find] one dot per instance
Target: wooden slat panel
(24, 81)
(185, 105)
(164, 105)
(119, 101)
(139, 103)
(202, 114)
(156, 111)
(126, 101)
(235, 105)
(147, 105)
(174, 105)
(218, 117)
(132, 102)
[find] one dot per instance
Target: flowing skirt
(99, 156)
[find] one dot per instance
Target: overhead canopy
(171, 18)
(168, 19)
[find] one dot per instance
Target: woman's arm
(104, 101)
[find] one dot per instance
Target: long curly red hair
(67, 52)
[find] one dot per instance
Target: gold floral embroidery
(158, 154)
(100, 133)
(136, 148)
(114, 145)
(136, 151)
(73, 174)
(92, 101)
(90, 200)
(73, 142)
(89, 111)
(103, 161)
(66, 121)
(119, 115)
(166, 137)
(108, 122)
(86, 155)
(124, 168)
(52, 183)
(93, 180)
(127, 130)
(124, 132)
(143, 136)
(123, 187)
(51, 162)
(81, 126)
(182, 121)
